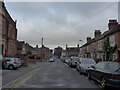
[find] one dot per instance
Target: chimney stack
(66, 46)
(78, 45)
(112, 24)
(97, 33)
(36, 46)
(88, 39)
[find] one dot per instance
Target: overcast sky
(60, 23)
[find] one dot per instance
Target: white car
(12, 63)
(51, 60)
(19, 61)
(83, 64)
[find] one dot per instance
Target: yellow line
(25, 77)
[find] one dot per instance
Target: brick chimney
(88, 39)
(112, 23)
(78, 45)
(36, 46)
(66, 46)
(97, 33)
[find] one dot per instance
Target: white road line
(100, 86)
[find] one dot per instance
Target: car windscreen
(112, 66)
(88, 61)
(75, 59)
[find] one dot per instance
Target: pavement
(46, 75)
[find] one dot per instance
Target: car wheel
(11, 67)
(103, 83)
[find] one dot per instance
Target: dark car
(107, 73)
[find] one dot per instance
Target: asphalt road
(55, 75)
(9, 76)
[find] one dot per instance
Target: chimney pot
(112, 24)
(97, 33)
(88, 39)
(36, 46)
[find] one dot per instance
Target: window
(100, 66)
(112, 40)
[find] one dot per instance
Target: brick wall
(9, 34)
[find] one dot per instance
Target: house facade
(43, 52)
(8, 33)
(94, 48)
(72, 51)
(24, 49)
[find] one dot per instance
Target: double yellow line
(22, 79)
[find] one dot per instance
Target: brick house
(43, 52)
(72, 51)
(24, 49)
(58, 52)
(94, 47)
(9, 33)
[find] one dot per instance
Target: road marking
(100, 86)
(22, 79)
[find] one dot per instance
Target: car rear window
(75, 59)
(88, 61)
(112, 66)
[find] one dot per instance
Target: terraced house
(104, 46)
(8, 33)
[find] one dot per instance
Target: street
(46, 75)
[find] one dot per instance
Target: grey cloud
(60, 23)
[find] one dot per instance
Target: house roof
(106, 33)
(72, 48)
(43, 49)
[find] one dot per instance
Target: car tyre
(11, 67)
(103, 83)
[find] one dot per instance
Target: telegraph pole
(41, 49)
(42, 41)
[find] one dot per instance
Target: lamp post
(42, 48)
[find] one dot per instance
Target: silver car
(12, 63)
(73, 61)
(83, 64)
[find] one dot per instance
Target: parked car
(107, 73)
(83, 64)
(12, 63)
(67, 61)
(51, 60)
(19, 61)
(73, 61)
